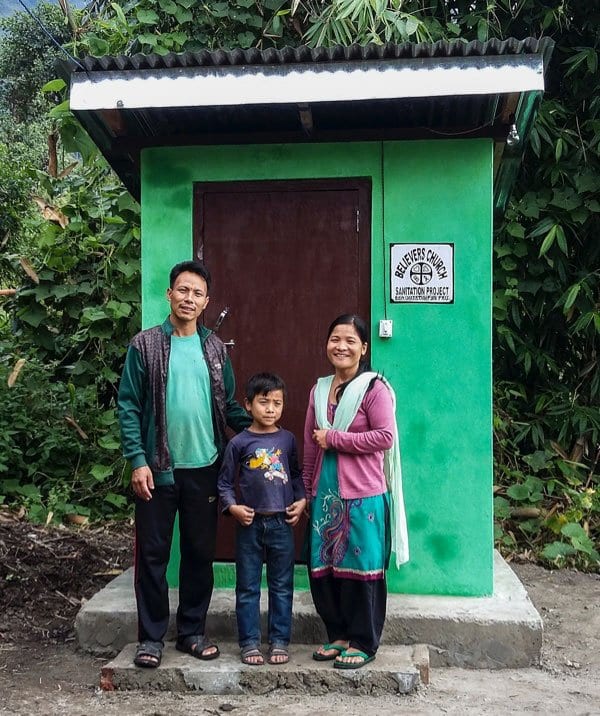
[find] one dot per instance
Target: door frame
(363, 188)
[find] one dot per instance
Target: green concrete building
(316, 182)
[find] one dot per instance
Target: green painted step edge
(225, 576)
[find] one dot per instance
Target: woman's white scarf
(345, 413)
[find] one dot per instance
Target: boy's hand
(243, 514)
(294, 511)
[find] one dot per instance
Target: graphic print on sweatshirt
(269, 462)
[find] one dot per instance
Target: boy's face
(266, 409)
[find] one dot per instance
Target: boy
(271, 502)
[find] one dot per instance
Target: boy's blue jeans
(271, 539)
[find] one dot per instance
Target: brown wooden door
(286, 258)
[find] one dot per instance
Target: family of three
(176, 401)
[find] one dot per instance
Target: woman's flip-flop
(365, 659)
(319, 656)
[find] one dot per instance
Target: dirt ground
(46, 573)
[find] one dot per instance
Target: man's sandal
(196, 645)
(364, 659)
(319, 656)
(278, 655)
(252, 656)
(148, 654)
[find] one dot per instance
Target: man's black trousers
(194, 497)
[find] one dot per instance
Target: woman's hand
(320, 437)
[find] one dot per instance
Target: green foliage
(79, 311)
(74, 323)
(547, 268)
(27, 58)
(55, 439)
(70, 244)
(26, 62)
(22, 151)
(72, 319)
(545, 498)
(547, 309)
(14, 188)
(347, 21)
(164, 26)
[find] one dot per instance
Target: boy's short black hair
(263, 383)
(192, 266)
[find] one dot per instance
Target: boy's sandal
(148, 654)
(252, 656)
(319, 656)
(364, 659)
(196, 645)
(278, 655)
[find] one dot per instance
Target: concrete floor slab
(500, 631)
(396, 670)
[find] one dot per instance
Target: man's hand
(142, 482)
(294, 511)
(243, 514)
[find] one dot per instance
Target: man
(176, 398)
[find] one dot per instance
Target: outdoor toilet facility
(315, 182)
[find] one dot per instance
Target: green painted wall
(439, 358)
(439, 361)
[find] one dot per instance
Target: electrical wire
(383, 244)
(51, 36)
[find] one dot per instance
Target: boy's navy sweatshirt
(265, 466)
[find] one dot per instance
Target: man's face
(188, 297)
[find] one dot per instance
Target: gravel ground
(45, 573)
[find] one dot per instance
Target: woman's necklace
(335, 384)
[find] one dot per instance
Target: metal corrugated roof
(301, 94)
(305, 54)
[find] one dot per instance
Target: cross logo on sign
(421, 273)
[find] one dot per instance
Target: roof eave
(312, 95)
(304, 83)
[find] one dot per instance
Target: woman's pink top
(360, 449)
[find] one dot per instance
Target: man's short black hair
(263, 383)
(192, 266)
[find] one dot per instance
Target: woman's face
(345, 348)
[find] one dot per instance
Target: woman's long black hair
(360, 326)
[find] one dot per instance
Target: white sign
(422, 273)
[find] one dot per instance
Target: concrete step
(503, 630)
(396, 670)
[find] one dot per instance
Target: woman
(350, 455)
